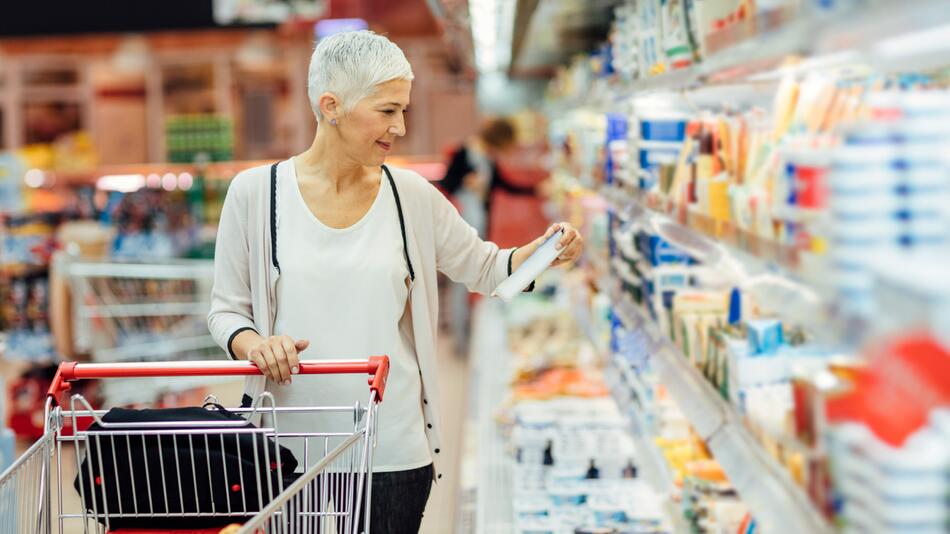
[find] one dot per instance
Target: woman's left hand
(571, 244)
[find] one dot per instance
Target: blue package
(668, 129)
(765, 336)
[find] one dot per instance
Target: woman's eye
(389, 111)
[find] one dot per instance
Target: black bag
(140, 474)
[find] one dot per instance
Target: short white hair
(351, 64)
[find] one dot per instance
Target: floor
(440, 512)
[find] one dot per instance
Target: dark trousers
(399, 499)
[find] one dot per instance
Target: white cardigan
(438, 240)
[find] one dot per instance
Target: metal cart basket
(193, 482)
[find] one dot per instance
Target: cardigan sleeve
(461, 254)
(231, 308)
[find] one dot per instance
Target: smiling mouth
(384, 146)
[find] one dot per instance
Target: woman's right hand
(278, 357)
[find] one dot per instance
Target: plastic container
(864, 156)
(532, 267)
(858, 182)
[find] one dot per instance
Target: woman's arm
(231, 312)
(481, 265)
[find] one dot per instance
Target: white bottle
(532, 267)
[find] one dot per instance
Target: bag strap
(273, 217)
(402, 223)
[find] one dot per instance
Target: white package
(532, 267)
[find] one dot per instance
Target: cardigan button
(429, 425)
(440, 475)
(437, 451)
(424, 401)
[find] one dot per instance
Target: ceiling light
(123, 183)
(492, 27)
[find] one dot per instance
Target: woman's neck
(325, 161)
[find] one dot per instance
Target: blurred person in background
(334, 253)
(471, 177)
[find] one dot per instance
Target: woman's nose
(398, 129)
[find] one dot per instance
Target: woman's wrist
(244, 342)
(522, 253)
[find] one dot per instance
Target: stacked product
(889, 460)
(189, 136)
(28, 242)
(890, 188)
(650, 37)
(708, 502)
(576, 465)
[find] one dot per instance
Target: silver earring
(333, 122)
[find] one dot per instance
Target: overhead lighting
(492, 27)
(153, 181)
(34, 178)
(169, 182)
(122, 183)
(185, 181)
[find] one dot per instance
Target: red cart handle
(377, 367)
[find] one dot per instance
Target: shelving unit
(873, 37)
(651, 461)
(768, 490)
(751, 259)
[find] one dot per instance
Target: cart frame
(26, 502)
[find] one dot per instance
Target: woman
(331, 254)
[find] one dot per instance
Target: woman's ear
(329, 106)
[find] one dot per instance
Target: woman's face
(370, 130)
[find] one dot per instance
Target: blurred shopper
(472, 176)
(333, 253)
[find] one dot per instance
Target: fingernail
(558, 246)
(294, 370)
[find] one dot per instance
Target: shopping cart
(332, 495)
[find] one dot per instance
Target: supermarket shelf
(165, 270)
(768, 490)
(136, 390)
(154, 350)
(155, 309)
(857, 35)
(782, 278)
(651, 462)
(654, 468)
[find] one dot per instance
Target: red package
(894, 395)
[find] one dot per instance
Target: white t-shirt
(346, 291)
